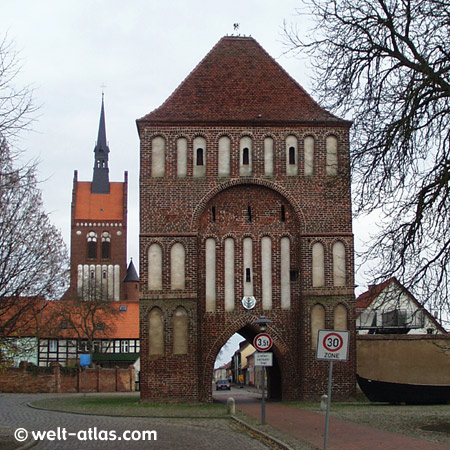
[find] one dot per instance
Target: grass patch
(131, 406)
(430, 422)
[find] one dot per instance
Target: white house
(389, 308)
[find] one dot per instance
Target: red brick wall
(78, 242)
(176, 209)
(33, 379)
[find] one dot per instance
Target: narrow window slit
(245, 157)
(199, 157)
(249, 213)
(247, 275)
(291, 155)
(283, 213)
(213, 213)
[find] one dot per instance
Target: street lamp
(262, 322)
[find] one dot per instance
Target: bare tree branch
(386, 64)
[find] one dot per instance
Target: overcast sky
(139, 51)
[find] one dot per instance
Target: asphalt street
(171, 433)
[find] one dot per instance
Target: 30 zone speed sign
(262, 342)
(332, 345)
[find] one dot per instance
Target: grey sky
(140, 51)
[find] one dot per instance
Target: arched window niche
(318, 265)
(200, 160)
(180, 331)
(291, 156)
(155, 267)
(158, 156)
(155, 332)
(245, 159)
(317, 323)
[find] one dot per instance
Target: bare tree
(386, 65)
(33, 255)
(16, 103)
(88, 320)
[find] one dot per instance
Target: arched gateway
(244, 191)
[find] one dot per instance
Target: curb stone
(262, 434)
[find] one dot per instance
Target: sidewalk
(308, 426)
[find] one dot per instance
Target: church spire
(100, 180)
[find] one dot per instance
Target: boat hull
(420, 394)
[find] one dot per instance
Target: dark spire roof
(100, 179)
(131, 273)
(238, 81)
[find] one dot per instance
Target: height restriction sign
(332, 345)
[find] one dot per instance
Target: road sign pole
(327, 417)
(263, 398)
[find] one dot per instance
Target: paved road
(172, 434)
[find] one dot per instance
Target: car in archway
(223, 385)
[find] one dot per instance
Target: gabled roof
(91, 206)
(238, 81)
(368, 297)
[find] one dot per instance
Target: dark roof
(238, 81)
(100, 179)
(131, 273)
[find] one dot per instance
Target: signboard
(85, 360)
(264, 359)
(262, 342)
(332, 345)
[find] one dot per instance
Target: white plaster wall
(80, 281)
(156, 332)
(291, 169)
(309, 155)
(317, 323)
(180, 331)
(318, 265)
(338, 264)
(181, 157)
(199, 142)
(340, 318)
(154, 267)
(229, 275)
(177, 266)
(158, 156)
(110, 282)
(268, 157)
(332, 155)
(245, 170)
(285, 275)
(266, 274)
(210, 264)
(117, 280)
(224, 156)
(248, 264)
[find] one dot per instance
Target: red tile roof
(99, 206)
(238, 81)
(43, 316)
(366, 298)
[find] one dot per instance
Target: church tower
(98, 230)
(245, 212)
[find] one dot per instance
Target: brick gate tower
(244, 192)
